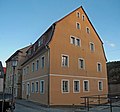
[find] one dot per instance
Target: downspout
(47, 47)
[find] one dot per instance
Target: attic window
(83, 17)
(78, 25)
(88, 30)
(78, 14)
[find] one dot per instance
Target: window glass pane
(43, 62)
(78, 42)
(85, 85)
(64, 60)
(72, 40)
(65, 86)
(76, 86)
(78, 25)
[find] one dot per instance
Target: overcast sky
(23, 21)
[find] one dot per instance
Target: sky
(22, 22)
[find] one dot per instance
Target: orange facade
(74, 63)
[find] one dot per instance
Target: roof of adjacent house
(16, 53)
(52, 27)
(1, 70)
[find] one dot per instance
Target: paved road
(27, 106)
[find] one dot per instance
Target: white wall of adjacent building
(1, 85)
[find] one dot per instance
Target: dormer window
(78, 14)
(40, 42)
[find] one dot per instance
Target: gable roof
(90, 24)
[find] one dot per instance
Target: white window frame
(71, 39)
(36, 86)
(67, 61)
(88, 32)
(77, 25)
(100, 67)
(79, 64)
(93, 47)
(62, 86)
(78, 14)
(32, 90)
(74, 86)
(99, 85)
(79, 42)
(42, 63)
(76, 38)
(42, 92)
(84, 86)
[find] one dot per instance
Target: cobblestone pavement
(28, 106)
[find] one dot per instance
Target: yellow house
(67, 62)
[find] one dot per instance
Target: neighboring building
(113, 72)
(19, 55)
(1, 77)
(65, 63)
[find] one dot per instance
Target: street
(28, 106)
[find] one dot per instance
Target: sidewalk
(39, 107)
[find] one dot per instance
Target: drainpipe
(47, 47)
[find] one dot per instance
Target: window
(100, 85)
(43, 62)
(27, 69)
(76, 84)
(99, 67)
(33, 64)
(92, 47)
(72, 40)
(40, 42)
(65, 86)
(42, 86)
(83, 17)
(36, 89)
(37, 65)
(77, 42)
(78, 25)
(64, 60)
(32, 87)
(86, 85)
(78, 14)
(88, 30)
(81, 63)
